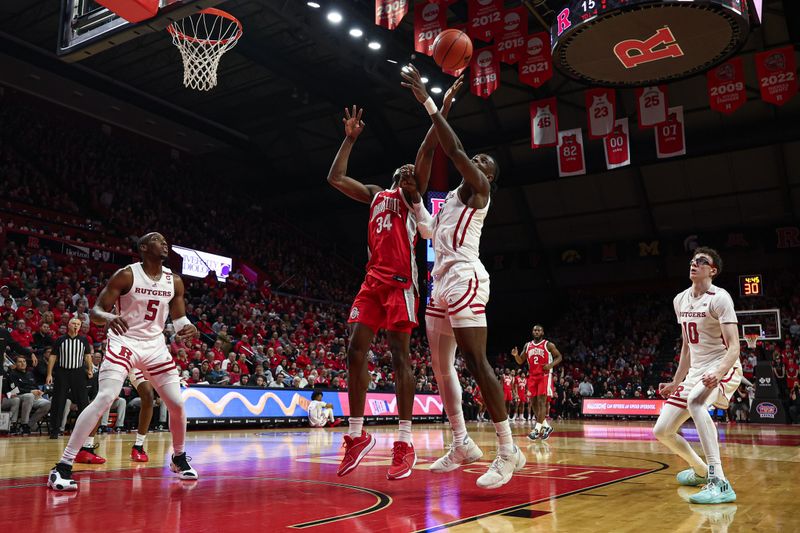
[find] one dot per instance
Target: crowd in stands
(290, 331)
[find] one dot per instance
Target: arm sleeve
(722, 308)
(425, 221)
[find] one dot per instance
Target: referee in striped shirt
(69, 370)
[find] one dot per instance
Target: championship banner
(429, 21)
(484, 71)
(726, 90)
(617, 145)
(389, 13)
(777, 75)
(651, 103)
(571, 161)
(253, 405)
(544, 123)
(600, 106)
(670, 136)
(485, 19)
(511, 41)
(536, 62)
(611, 406)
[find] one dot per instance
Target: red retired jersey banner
(484, 72)
(777, 75)
(544, 123)
(536, 61)
(485, 18)
(617, 145)
(570, 153)
(389, 13)
(726, 90)
(429, 21)
(670, 135)
(600, 106)
(511, 41)
(651, 103)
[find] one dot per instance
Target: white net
(202, 39)
(751, 340)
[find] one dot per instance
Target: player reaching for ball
(388, 298)
(456, 315)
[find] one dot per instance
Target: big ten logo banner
(484, 72)
(430, 20)
(535, 64)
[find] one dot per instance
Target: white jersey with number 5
(457, 237)
(146, 306)
(701, 322)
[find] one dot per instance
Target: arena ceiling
(283, 88)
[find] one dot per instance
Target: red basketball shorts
(541, 384)
(379, 305)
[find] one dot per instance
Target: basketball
(452, 50)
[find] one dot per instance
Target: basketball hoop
(751, 339)
(202, 39)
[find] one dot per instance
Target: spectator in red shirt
(234, 374)
(243, 347)
(22, 334)
(244, 368)
(204, 326)
(219, 355)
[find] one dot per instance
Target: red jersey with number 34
(392, 236)
(538, 355)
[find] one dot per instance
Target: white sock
(405, 431)
(459, 428)
(89, 442)
(715, 471)
(546, 423)
(505, 441)
(538, 426)
(356, 424)
(140, 439)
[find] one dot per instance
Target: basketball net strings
(203, 49)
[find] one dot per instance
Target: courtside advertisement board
(611, 406)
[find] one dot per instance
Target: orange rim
(173, 30)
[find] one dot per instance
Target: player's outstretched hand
(414, 82)
(187, 332)
(409, 186)
(514, 351)
(353, 125)
(451, 93)
(118, 325)
(666, 389)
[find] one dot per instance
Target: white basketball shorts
(150, 358)
(459, 301)
(720, 398)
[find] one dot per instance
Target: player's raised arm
(120, 283)
(425, 221)
(517, 355)
(450, 142)
(177, 311)
(337, 175)
(422, 165)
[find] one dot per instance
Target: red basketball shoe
(139, 455)
(403, 460)
(354, 450)
(88, 457)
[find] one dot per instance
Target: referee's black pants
(67, 384)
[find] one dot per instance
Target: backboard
(86, 27)
(767, 322)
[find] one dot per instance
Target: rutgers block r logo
(662, 45)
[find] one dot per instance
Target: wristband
(181, 323)
(430, 107)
